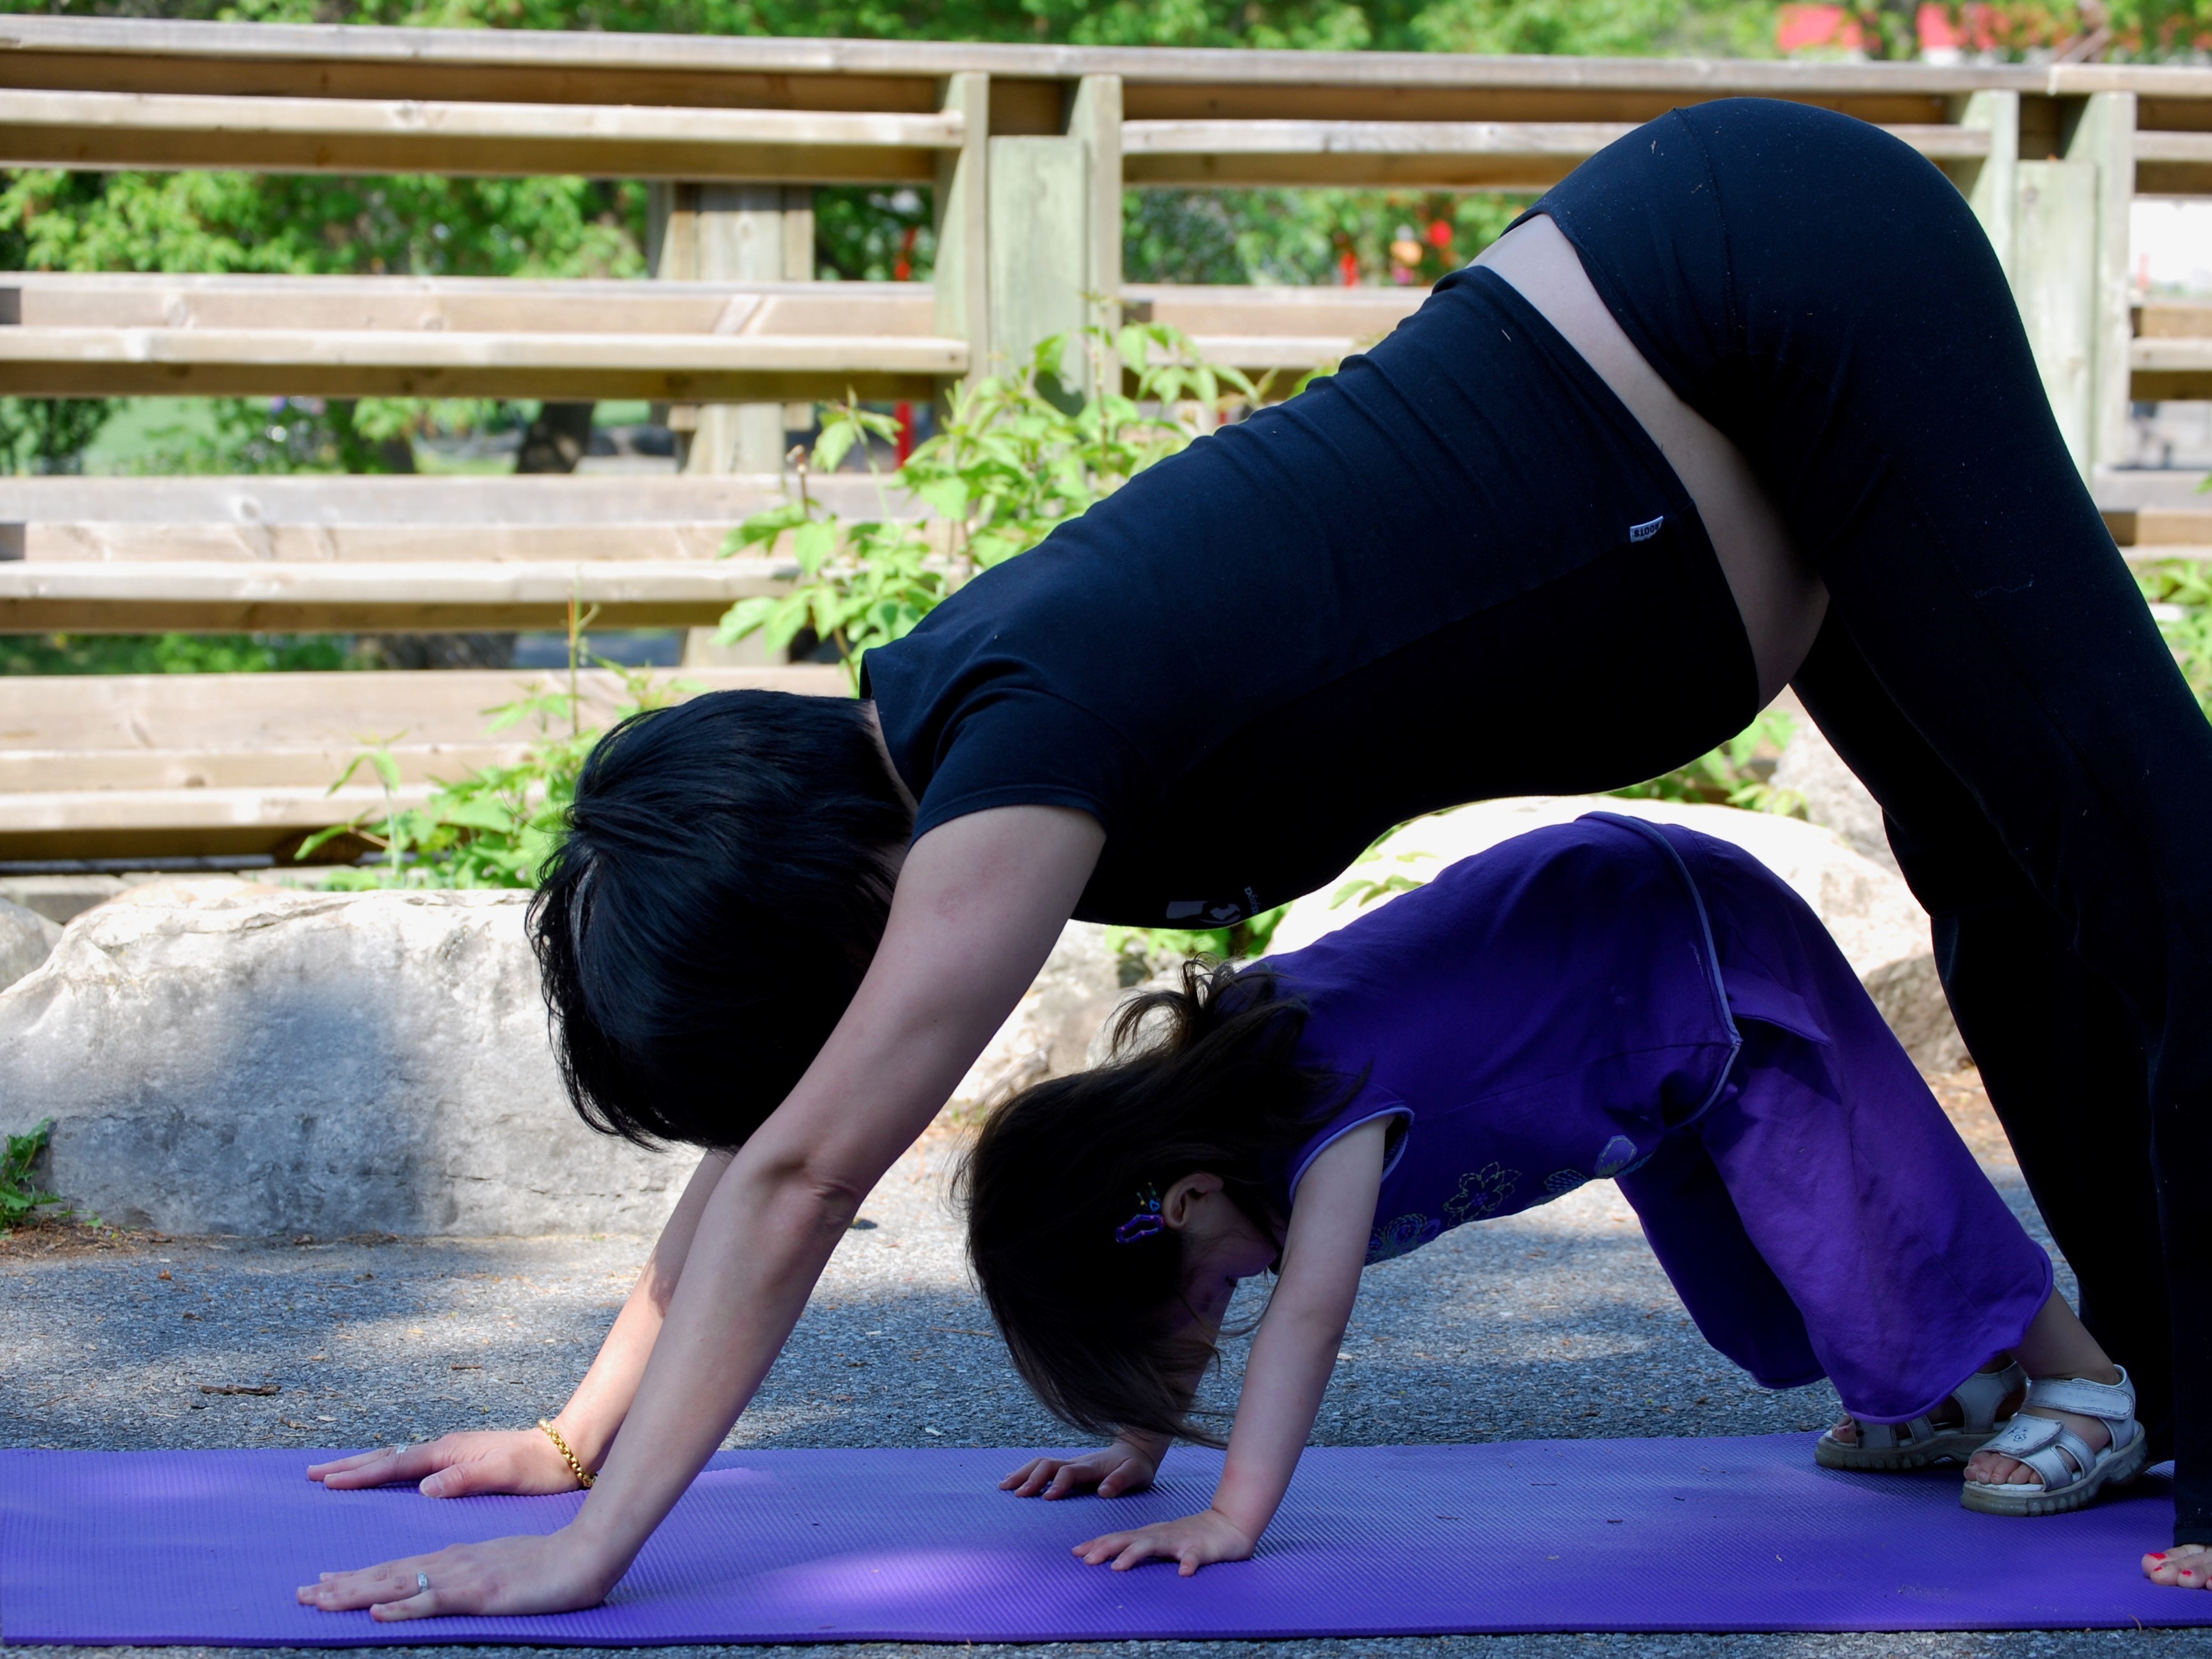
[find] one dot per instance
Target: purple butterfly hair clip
(1147, 1221)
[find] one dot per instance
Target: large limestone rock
(1834, 798)
(26, 939)
(1050, 1030)
(224, 1058)
(1876, 922)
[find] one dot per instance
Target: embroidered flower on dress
(1394, 1238)
(1483, 1193)
(1618, 1153)
(1560, 1182)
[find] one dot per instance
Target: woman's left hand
(553, 1574)
(1192, 1542)
(2189, 1566)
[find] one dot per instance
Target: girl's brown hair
(1205, 1079)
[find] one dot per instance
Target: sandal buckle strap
(2108, 1402)
(2024, 1437)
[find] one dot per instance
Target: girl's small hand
(1191, 1542)
(457, 1465)
(503, 1575)
(1117, 1468)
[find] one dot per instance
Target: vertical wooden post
(1054, 226)
(963, 278)
(740, 238)
(798, 267)
(2054, 280)
(2104, 138)
(1039, 227)
(1094, 119)
(1991, 185)
(730, 233)
(2076, 182)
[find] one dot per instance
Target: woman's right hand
(458, 1466)
(1118, 1468)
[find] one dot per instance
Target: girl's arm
(458, 1465)
(979, 903)
(1293, 1358)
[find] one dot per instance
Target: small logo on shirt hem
(1644, 533)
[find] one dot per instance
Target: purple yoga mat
(1712, 1534)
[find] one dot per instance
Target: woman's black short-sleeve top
(1348, 610)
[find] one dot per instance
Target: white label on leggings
(1644, 533)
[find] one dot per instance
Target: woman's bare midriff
(1780, 597)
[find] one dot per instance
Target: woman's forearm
(761, 1244)
(595, 1411)
(979, 903)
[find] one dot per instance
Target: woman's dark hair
(719, 891)
(1201, 1079)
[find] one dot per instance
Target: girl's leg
(2057, 1345)
(2056, 1048)
(1823, 297)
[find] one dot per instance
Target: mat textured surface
(1703, 1535)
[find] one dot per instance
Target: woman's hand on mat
(1192, 1542)
(1110, 1472)
(457, 1465)
(553, 1574)
(2189, 1566)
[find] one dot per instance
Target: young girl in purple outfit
(1606, 998)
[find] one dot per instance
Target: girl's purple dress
(1612, 997)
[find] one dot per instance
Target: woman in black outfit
(1744, 401)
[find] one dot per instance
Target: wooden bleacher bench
(115, 766)
(1520, 155)
(110, 129)
(351, 336)
(1028, 149)
(2170, 356)
(1260, 329)
(306, 553)
(2147, 535)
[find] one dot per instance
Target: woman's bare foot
(2189, 1566)
(1995, 1469)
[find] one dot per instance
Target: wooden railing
(1027, 151)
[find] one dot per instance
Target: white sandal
(2070, 1474)
(1886, 1447)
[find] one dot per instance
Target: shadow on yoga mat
(1696, 1534)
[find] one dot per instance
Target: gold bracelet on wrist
(583, 1476)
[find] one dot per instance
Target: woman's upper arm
(979, 903)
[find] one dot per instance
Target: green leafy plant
(49, 435)
(2181, 590)
(495, 827)
(1364, 890)
(20, 1198)
(1015, 456)
(171, 653)
(1736, 774)
(1143, 953)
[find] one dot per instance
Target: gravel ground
(1554, 1323)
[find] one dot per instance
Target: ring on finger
(421, 1584)
(393, 1452)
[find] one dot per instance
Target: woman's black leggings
(1822, 295)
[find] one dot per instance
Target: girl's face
(1220, 1244)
